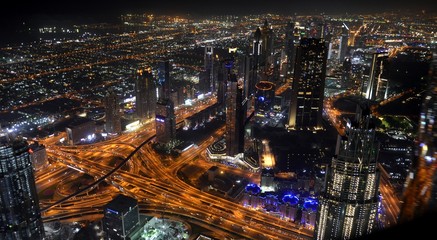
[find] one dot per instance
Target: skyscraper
(20, 216)
(308, 85)
(376, 85)
(289, 47)
(165, 121)
(207, 84)
(349, 204)
(420, 195)
(343, 43)
(164, 84)
(145, 92)
(112, 112)
(234, 116)
(267, 45)
(121, 217)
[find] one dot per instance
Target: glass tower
(349, 205)
(20, 217)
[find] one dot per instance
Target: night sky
(198, 7)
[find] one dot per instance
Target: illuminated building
(377, 86)
(112, 113)
(264, 97)
(308, 85)
(254, 61)
(234, 116)
(349, 205)
(420, 195)
(20, 216)
(121, 218)
(207, 77)
(165, 121)
(145, 92)
(343, 43)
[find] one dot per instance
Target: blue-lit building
(264, 97)
(20, 216)
(297, 206)
(121, 218)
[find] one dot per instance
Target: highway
(156, 186)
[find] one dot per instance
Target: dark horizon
(19, 16)
(205, 8)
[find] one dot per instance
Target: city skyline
(233, 126)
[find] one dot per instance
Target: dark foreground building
(20, 217)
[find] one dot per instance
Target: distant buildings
(20, 216)
(349, 205)
(308, 85)
(121, 218)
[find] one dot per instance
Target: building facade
(349, 205)
(20, 216)
(121, 218)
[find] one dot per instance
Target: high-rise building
(420, 194)
(234, 116)
(208, 84)
(348, 206)
(377, 85)
(267, 45)
(121, 218)
(255, 60)
(145, 93)
(308, 85)
(20, 216)
(164, 84)
(165, 121)
(289, 47)
(343, 43)
(112, 112)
